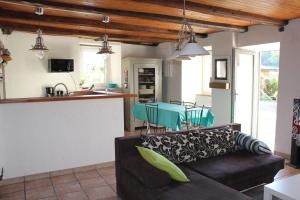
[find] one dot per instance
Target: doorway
(255, 90)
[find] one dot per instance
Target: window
(206, 66)
(196, 74)
(93, 67)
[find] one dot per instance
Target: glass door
(244, 90)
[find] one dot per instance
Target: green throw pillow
(163, 164)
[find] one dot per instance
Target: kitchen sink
(87, 92)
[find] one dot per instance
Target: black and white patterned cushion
(217, 141)
(178, 148)
(189, 147)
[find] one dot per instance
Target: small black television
(61, 65)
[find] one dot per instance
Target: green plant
(271, 87)
(82, 81)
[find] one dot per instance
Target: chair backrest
(194, 115)
(189, 104)
(176, 102)
(152, 113)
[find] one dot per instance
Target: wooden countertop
(67, 98)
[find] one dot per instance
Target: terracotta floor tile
(45, 182)
(107, 171)
(87, 174)
(61, 172)
(13, 196)
(287, 171)
(49, 198)
(114, 187)
(67, 188)
(84, 168)
(104, 192)
(12, 181)
(37, 176)
(16, 187)
(111, 179)
(39, 193)
(63, 179)
(92, 182)
(113, 198)
(73, 196)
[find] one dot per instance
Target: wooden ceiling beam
(73, 32)
(217, 11)
(148, 16)
(82, 22)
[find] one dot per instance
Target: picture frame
(221, 69)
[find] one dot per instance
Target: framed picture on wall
(221, 69)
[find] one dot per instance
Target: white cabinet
(141, 76)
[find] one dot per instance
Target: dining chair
(194, 117)
(176, 102)
(189, 104)
(152, 114)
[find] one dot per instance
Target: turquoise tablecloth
(171, 115)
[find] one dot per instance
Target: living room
(63, 146)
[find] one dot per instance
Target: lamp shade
(176, 56)
(192, 48)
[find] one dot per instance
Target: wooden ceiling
(144, 21)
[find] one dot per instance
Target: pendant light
(105, 48)
(39, 46)
(192, 48)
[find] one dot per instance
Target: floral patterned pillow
(178, 148)
(218, 141)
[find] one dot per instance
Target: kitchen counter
(109, 95)
(60, 133)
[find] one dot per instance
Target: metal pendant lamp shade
(192, 48)
(176, 56)
(39, 46)
(105, 48)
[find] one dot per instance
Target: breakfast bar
(59, 132)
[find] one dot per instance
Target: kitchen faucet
(67, 91)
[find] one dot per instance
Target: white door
(244, 90)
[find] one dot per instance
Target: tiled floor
(91, 184)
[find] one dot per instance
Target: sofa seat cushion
(145, 173)
(239, 170)
(200, 188)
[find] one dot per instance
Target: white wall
(49, 136)
(130, 50)
(289, 81)
(27, 75)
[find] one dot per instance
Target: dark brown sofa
(219, 178)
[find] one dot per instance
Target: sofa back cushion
(192, 145)
(178, 148)
(217, 141)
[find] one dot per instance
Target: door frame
(255, 88)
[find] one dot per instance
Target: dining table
(172, 115)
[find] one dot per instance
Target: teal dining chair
(152, 114)
(189, 104)
(176, 102)
(194, 117)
